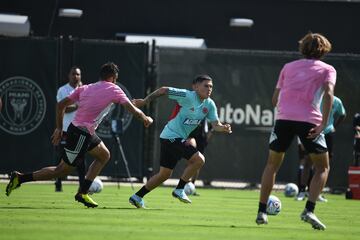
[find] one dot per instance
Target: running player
(199, 137)
(301, 86)
(195, 106)
(94, 102)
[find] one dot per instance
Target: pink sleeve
(281, 78)
(331, 75)
(75, 95)
(120, 96)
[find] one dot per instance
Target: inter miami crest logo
(117, 112)
(24, 105)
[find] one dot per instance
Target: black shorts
(284, 132)
(329, 143)
(78, 142)
(172, 150)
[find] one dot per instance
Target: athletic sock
(142, 192)
(26, 177)
(310, 206)
(85, 187)
(181, 184)
(82, 173)
(262, 207)
(302, 188)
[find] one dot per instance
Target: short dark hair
(108, 70)
(201, 78)
(74, 68)
(314, 46)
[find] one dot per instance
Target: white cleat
(181, 195)
(310, 217)
(261, 218)
(301, 196)
(321, 199)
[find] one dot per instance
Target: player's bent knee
(164, 174)
(199, 159)
(105, 156)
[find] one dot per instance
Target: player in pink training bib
(94, 102)
(301, 87)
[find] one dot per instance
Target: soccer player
(195, 106)
(199, 137)
(74, 81)
(301, 86)
(94, 102)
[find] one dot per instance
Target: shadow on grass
(243, 227)
(27, 207)
(132, 208)
(81, 207)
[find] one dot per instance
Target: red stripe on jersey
(175, 111)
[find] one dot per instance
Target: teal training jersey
(192, 111)
(336, 110)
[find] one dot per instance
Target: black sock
(181, 184)
(86, 185)
(193, 181)
(310, 206)
(262, 207)
(82, 173)
(142, 192)
(302, 188)
(26, 177)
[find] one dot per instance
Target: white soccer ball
(291, 190)
(189, 188)
(273, 205)
(96, 186)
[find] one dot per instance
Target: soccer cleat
(137, 201)
(86, 200)
(261, 218)
(310, 217)
(13, 183)
(181, 195)
(321, 199)
(301, 196)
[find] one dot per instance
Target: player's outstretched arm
(219, 127)
(138, 114)
(60, 110)
(157, 93)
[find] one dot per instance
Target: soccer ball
(96, 186)
(273, 205)
(189, 188)
(291, 190)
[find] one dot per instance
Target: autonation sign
(252, 117)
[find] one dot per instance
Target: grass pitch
(35, 211)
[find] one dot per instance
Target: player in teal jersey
(195, 106)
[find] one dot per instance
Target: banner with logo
(28, 83)
(131, 59)
(244, 82)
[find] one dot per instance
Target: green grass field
(35, 211)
